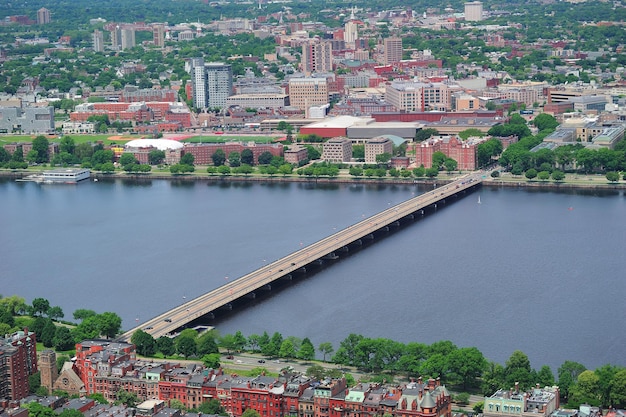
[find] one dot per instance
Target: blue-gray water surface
(537, 271)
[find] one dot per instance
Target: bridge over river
(330, 247)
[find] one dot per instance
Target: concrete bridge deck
(180, 316)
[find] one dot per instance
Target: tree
(432, 172)
(83, 151)
(287, 350)
(612, 176)
(557, 175)
(423, 134)
(531, 174)
(187, 159)
(586, 390)
(239, 341)
(144, 343)
(82, 314)
(13, 304)
(40, 306)
(450, 164)
(166, 346)
(438, 159)
(346, 354)
(265, 158)
(47, 334)
(545, 377)
(109, 324)
(207, 344)
(55, 313)
(307, 350)
(18, 155)
(212, 360)
(218, 158)
(212, 406)
(36, 409)
(545, 121)
(272, 347)
(543, 175)
(618, 389)
(41, 145)
(186, 345)
(383, 158)
(250, 413)
(127, 159)
(247, 157)
(67, 145)
(156, 157)
(234, 159)
(223, 170)
(177, 404)
(316, 372)
(517, 369)
(472, 132)
(356, 171)
(419, 172)
(468, 363)
(129, 399)
(63, 339)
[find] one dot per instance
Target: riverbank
(571, 181)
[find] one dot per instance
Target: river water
(532, 270)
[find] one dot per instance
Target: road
(170, 321)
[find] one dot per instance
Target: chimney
(516, 387)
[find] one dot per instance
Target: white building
(212, 83)
(473, 11)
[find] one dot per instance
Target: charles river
(538, 271)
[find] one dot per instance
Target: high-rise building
(393, 50)
(212, 83)
(43, 16)
(317, 57)
(158, 35)
(128, 38)
(351, 33)
(473, 11)
(116, 38)
(98, 41)
(18, 360)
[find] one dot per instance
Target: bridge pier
(251, 295)
(287, 277)
(331, 256)
(267, 287)
(344, 249)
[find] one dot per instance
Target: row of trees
(466, 366)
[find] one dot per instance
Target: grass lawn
(4, 139)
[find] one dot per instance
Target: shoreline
(511, 182)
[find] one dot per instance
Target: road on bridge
(177, 317)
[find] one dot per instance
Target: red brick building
(98, 358)
(18, 360)
(202, 152)
(463, 152)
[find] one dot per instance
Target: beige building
(317, 56)
(337, 150)
(393, 50)
(411, 96)
(473, 11)
(307, 92)
(295, 154)
(463, 102)
(377, 146)
(258, 101)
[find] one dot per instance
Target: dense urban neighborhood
(295, 88)
(313, 89)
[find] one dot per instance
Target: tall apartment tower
(393, 50)
(43, 16)
(116, 38)
(98, 41)
(128, 38)
(158, 35)
(473, 11)
(219, 83)
(48, 369)
(211, 83)
(317, 57)
(351, 33)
